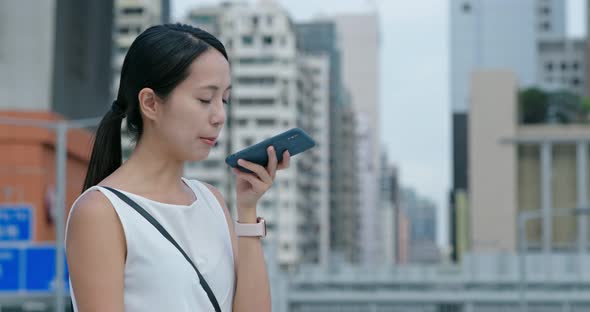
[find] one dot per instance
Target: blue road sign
(28, 268)
(15, 222)
(10, 258)
(40, 269)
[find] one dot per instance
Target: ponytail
(106, 154)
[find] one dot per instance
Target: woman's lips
(209, 141)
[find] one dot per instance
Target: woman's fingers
(257, 169)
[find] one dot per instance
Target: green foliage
(537, 106)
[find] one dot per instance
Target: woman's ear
(148, 104)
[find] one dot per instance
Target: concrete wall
(492, 166)
(26, 53)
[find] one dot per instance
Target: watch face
(261, 221)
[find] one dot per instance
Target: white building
(261, 45)
(358, 36)
(550, 19)
(314, 168)
(562, 65)
(369, 214)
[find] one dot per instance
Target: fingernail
(240, 161)
(270, 148)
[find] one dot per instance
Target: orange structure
(28, 168)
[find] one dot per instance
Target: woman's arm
(96, 251)
(252, 285)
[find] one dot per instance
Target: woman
(175, 83)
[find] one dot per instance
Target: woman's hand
(251, 186)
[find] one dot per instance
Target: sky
(414, 99)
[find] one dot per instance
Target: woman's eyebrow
(214, 87)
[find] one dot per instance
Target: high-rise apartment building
(321, 37)
(260, 40)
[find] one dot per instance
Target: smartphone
(294, 140)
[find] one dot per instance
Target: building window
(247, 40)
(269, 20)
(575, 66)
(124, 30)
(264, 122)
(257, 101)
(285, 123)
(242, 122)
(133, 10)
(549, 66)
(254, 21)
(545, 10)
(575, 82)
(466, 7)
(248, 141)
(257, 80)
(257, 60)
(283, 41)
(563, 66)
(267, 40)
(546, 26)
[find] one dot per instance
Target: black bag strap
(167, 235)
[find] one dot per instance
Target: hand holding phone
(294, 140)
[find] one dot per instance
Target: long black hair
(159, 58)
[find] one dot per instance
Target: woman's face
(192, 116)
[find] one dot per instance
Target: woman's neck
(153, 168)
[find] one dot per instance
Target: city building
(313, 178)
(368, 213)
(529, 180)
(550, 19)
(421, 214)
(389, 205)
(562, 65)
(358, 39)
(54, 56)
(403, 236)
(345, 212)
(321, 37)
(260, 40)
(520, 36)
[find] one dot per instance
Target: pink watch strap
(251, 229)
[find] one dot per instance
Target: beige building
(535, 174)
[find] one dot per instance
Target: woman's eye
(225, 102)
(205, 101)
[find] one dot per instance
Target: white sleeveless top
(157, 277)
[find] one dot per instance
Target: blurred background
(452, 166)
